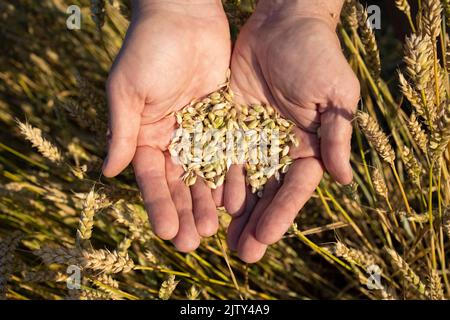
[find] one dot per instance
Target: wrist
(326, 10)
(196, 8)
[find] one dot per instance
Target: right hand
(173, 52)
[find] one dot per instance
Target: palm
(297, 66)
(166, 61)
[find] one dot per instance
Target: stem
(430, 216)
(402, 190)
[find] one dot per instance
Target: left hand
(295, 64)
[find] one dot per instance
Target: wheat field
(57, 211)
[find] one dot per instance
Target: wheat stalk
(353, 256)
(434, 288)
(406, 270)
(167, 288)
(432, 10)
(372, 54)
(376, 137)
(413, 167)
(91, 204)
(379, 184)
(98, 260)
(418, 134)
(45, 147)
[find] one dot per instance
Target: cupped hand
(295, 64)
(173, 52)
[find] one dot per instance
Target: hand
(293, 61)
(173, 52)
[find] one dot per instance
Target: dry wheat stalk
(376, 137)
(406, 270)
(349, 15)
(372, 54)
(8, 245)
(379, 184)
(432, 10)
(44, 276)
(418, 59)
(434, 288)
(150, 257)
(92, 203)
(45, 147)
(410, 94)
(403, 5)
(167, 287)
(109, 283)
(441, 137)
(418, 134)
(412, 165)
(193, 293)
(59, 255)
(354, 256)
(99, 260)
(106, 261)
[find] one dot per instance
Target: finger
(308, 146)
(335, 143)
(157, 134)
(238, 222)
(204, 208)
(235, 190)
(124, 122)
(149, 169)
(187, 238)
(299, 184)
(250, 249)
(218, 196)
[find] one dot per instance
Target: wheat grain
(211, 150)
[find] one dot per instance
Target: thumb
(124, 123)
(335, 143)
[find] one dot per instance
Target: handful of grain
(215, 133)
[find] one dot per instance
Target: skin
(173, 52)
(287, 55)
